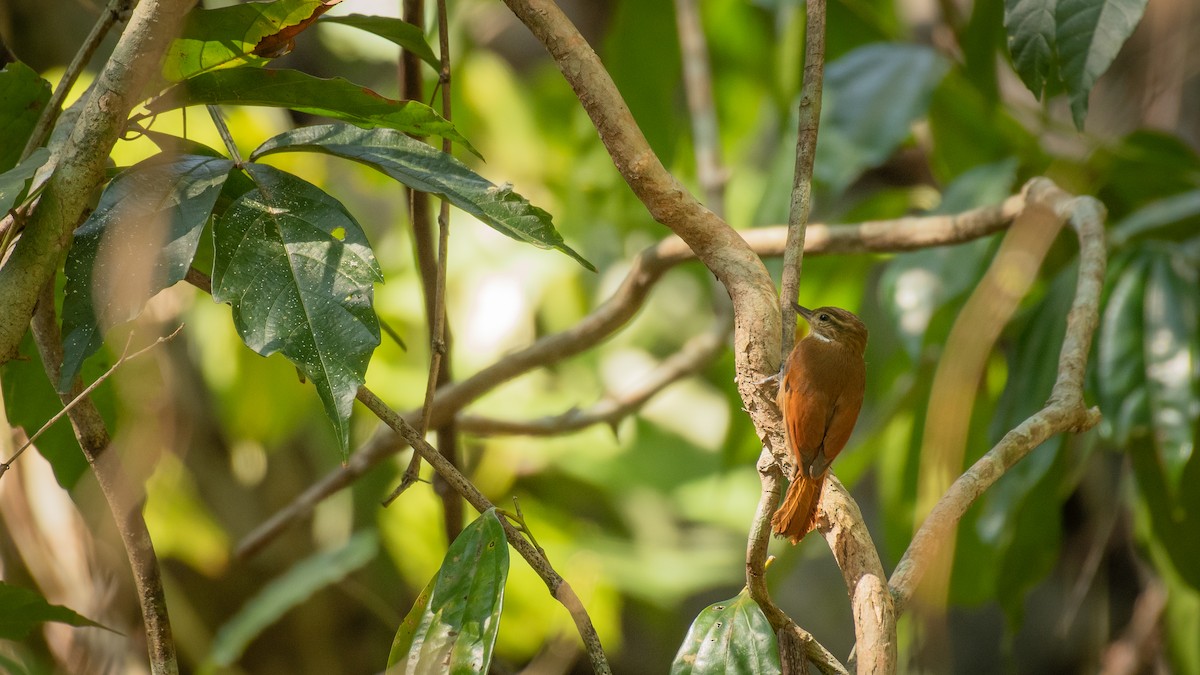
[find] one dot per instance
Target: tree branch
(697, 353)
(125, 500)
(843, 527)
(1065, 411)
(109, 16)
(81, 167)
(902, 234)
(723, 251)
(559, 588)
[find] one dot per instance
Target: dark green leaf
(140, 239)
(915, 286)
(857, 131)
(399, 31)
(1172, 361)
(452, 626)
(299, 273)
(1089, 34)
(728, 637)
(1120, 354)
(1031, 40)
(21, 609)
(981, 40)
(336, 98)
(12, 182)
(288, 591)
(1158, 215)
(641, 53)
(1174, 515)
(225, 37)
(22, 96)
(424, 168)
(29, 402)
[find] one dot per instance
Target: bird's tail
(797, 516)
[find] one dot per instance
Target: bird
(820, 395)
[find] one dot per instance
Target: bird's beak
(804, 312)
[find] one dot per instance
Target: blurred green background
(648, 519)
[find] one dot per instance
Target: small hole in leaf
(339, 233)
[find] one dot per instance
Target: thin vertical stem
(806, 152)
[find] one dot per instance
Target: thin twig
(808, 124)
(559, 588)
(218, 119)
(413, 86)
(904, 234)
(697, 353)
(116, 11)
(125, 356)
(124, 497)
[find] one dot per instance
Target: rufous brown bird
(820, 394)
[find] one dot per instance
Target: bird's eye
(823, 317)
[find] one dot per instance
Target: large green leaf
(394, 30)
(728, 637)
(453, 624)
(229, 36)
(287, 591)
(1172, 351)
(22, 96)
(1031, 41)
(21, 609)
(336, 98)
(12, 182)
(874, 94)
(425, 168)
(1068, 41)
(299, 273)
(1090, 32)
(150, 216)
(1120, 357)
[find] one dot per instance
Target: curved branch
(723, 251)
(903, 234)
(1065, 411)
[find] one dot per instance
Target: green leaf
(299, 273)
(453, 624)
(1090, 32)
(30, 402)
(728, 637)
(641, 53)
(1120, 354)
(425, 168)
(226, 37)
(1172, 361)
(22, 609)
(1072, 41)
(856, 131)
(398, 31)
(12, 182)
(1031, 41)
(288, 591)
(1158, 215)
(22, 96)
(336, 98)
(145, 228)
